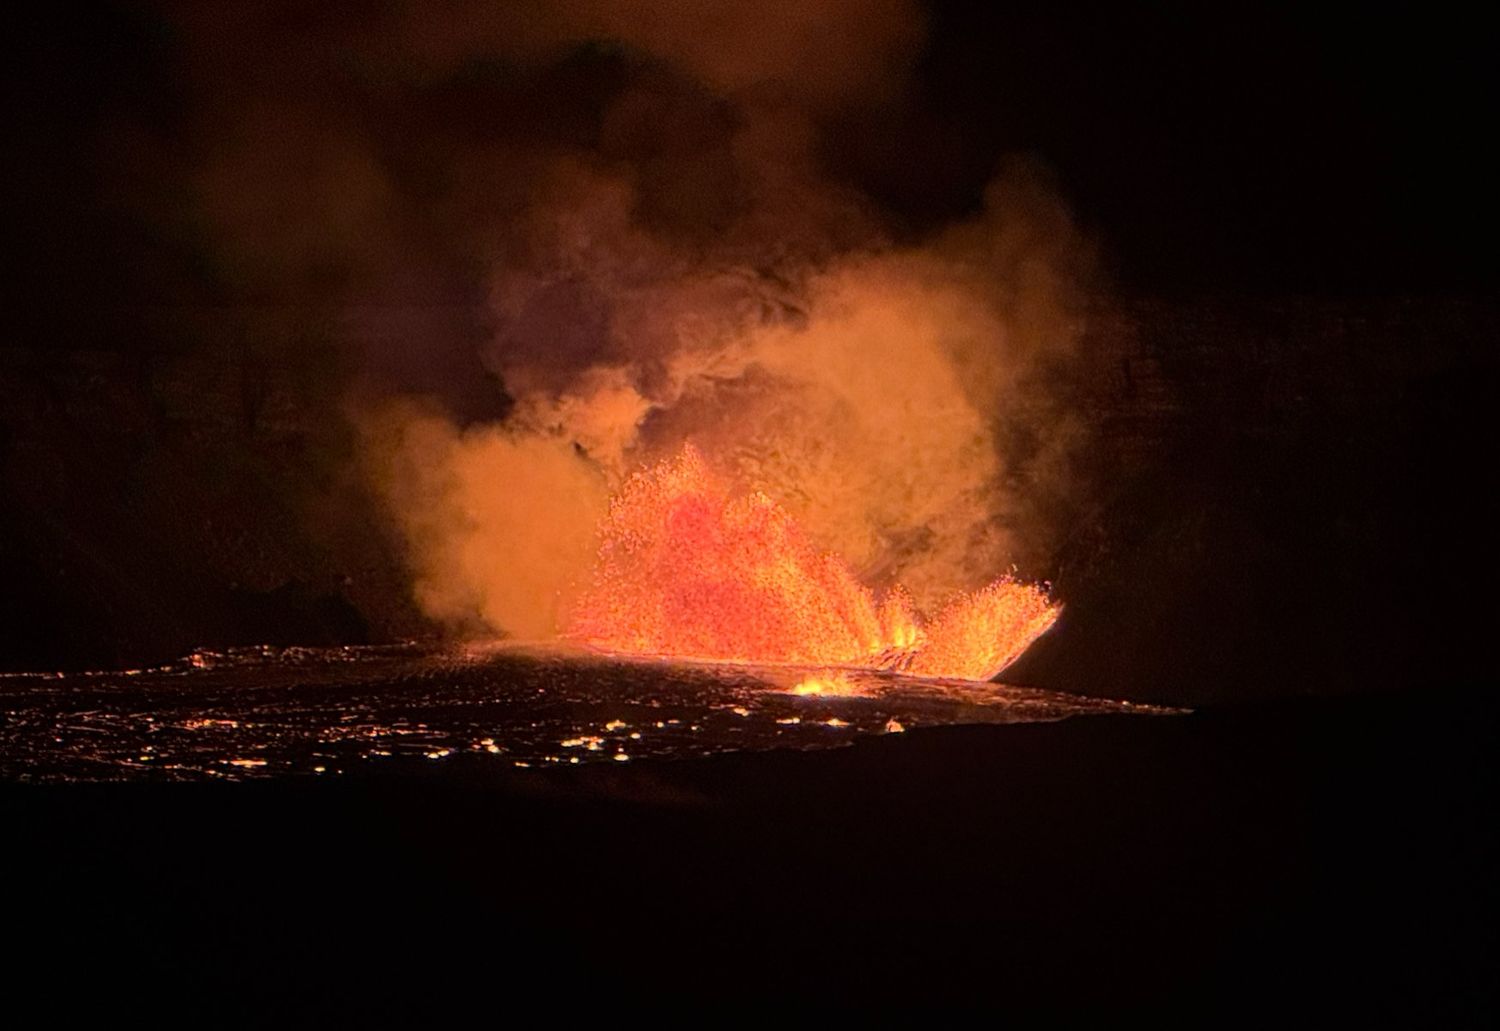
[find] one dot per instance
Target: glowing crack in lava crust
(688, 571)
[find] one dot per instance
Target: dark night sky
(1209, 149)
(1242, 146)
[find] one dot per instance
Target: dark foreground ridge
(1328, 854)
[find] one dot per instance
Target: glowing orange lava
(685, 570)
(831, 683)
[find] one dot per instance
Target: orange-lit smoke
(497, 523)
(698, 279)
(852, 412)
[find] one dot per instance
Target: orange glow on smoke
(685, 570)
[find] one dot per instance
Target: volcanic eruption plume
(739, 415)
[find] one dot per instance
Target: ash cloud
(628, 206)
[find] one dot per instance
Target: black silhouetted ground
(1330, 857)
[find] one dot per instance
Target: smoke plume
(649, 251)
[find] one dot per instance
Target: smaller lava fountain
(685, 570)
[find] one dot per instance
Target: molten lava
(686, 570)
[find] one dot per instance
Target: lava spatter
(687, 570)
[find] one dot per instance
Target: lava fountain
(687, 570)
